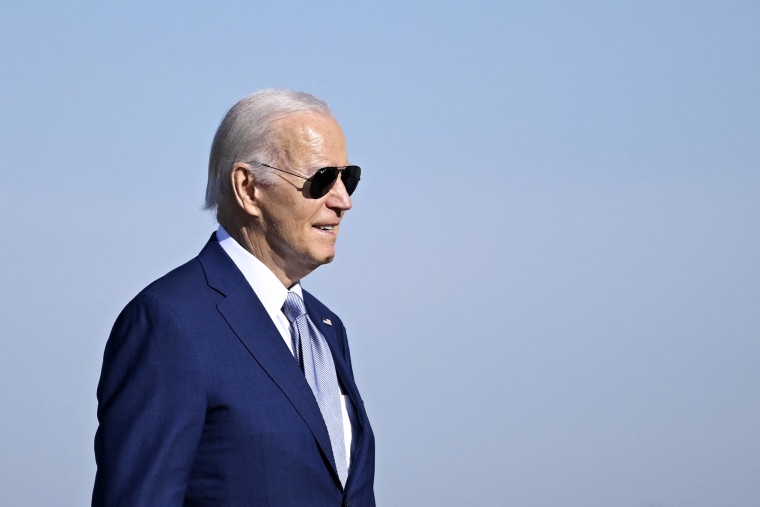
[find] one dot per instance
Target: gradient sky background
(550, 276)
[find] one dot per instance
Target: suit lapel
(251, 323)
(345, 375)
(360, 444)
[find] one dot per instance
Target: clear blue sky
(550, 276)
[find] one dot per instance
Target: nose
(337, 197)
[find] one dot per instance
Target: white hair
(247, 133)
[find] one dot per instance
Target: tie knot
(293, 307)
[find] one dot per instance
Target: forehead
(310, 138)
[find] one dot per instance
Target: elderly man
(223, 382)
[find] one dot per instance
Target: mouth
(326, 228)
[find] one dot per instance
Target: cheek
(292, 228)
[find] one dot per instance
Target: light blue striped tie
(311, 350)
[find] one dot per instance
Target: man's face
(299, 232)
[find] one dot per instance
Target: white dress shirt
(272, 294)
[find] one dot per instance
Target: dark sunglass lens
(351, 176)
(322, 181)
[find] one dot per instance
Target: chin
(327, 256)
(315, 261)
(325, 259)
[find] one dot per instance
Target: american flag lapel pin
(327, 321)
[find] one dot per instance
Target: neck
(248, 238)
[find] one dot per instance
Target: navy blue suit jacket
(201, 403)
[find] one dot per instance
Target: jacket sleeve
(151, 409)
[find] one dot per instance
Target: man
(217, 389)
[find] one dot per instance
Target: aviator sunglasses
(322, 180)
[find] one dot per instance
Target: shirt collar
(270, 291)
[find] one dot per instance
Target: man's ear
(245, 190)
